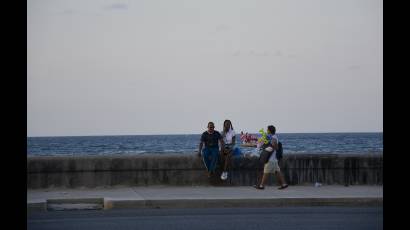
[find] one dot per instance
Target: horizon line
(175, 134)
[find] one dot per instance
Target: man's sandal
(283, 186)
(258, 187)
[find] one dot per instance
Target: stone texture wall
(352, 169)
(179, 169)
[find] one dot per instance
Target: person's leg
(227, 158)
(264, 178)
(267, 169)
(259, 176)
(214, 152)
(206, 158)
(282, 179)
(279, 176)
(223, 159)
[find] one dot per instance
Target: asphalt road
(317, 218)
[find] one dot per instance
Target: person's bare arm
(274, 144)
(222, 143)
(200, 148)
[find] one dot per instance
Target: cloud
(116, 6)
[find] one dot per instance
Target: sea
(293, 143)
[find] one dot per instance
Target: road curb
(254, 203)
(40, 206)
(110, 203)
(115, 203)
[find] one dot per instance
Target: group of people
(210, 153)
(214, 144)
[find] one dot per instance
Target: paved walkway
(201, 196)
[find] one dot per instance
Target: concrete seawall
(188, 169)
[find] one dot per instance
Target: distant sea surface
(293, 143)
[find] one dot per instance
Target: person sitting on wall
(228, 135)
(211, 139)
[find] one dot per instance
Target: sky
(147, 67)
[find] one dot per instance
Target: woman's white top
(228, 136)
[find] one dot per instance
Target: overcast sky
(168, 67)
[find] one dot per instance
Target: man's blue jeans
(210, 157)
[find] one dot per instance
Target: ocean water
(293, 143)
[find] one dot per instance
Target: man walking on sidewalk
(272, 165)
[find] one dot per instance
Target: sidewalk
(202, 197)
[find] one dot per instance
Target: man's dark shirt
(211, 140)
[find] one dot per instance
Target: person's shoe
(283, 186)
(224, 176)
(258, 186)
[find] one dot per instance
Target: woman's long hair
(230, 126)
